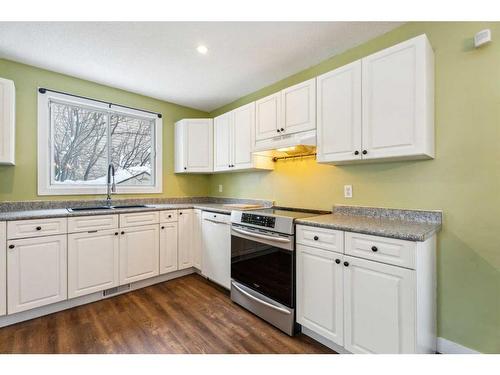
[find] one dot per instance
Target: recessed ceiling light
(202, 49)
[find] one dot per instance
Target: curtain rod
(43, 90)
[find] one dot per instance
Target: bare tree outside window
(82, 148)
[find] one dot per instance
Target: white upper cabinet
(234, 137)
(3, 269)
(222, 141)
(7, 121)
(398, 101)
(379, 107)
(268, 116)
(339, 114)
(298, 108)
(194, 146)
(379, 307)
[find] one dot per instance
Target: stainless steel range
(263, 263)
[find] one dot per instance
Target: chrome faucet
(111, 187)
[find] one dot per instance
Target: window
(79, 138)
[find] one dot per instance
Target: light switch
(220, 188)
(347, 191)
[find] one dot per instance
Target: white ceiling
(159, 59)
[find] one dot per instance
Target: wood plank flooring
(185, 315)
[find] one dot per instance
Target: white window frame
(45, 187)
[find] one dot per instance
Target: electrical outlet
(220, 188)
(347, 191)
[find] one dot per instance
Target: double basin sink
(99, 208)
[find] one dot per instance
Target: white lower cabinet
(37, 272)
(379, 307)
(197, 239)
(139, 253)
(93, 262)
(3, 269)
(320, 293)
(168, 247)
(186, 240)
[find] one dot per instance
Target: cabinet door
(168, 247)
(197, 240)
(139, 253)
(185, 243)
(298, 107)
(37, 272)
(3, 269)
(222, 142)
(199, 145)
(379, 307)
(243, 136)
(7, 121)
(93, 262)
(398, 100)
(339, 114)
(320, 292)
(268, 116)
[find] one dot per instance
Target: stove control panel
(260, 220)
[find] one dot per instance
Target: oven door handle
(260, 301)
(263, 236)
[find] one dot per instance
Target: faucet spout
(111, 185)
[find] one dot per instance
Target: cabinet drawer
(326, 239)
(91, 223)
(34, 228)
(168, 216)
(139, 218)
(382, 249)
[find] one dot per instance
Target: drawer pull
(11, 246)
(38, 228)
(346, 264)
(169, 216)
(116, 233)
(374, 249)
(123, 232)
(337, 261)
(316, 238)
(180, 213)
(162, 227)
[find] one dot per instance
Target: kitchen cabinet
(93, 261)
(3, 268)
(368, 294)
(92, 223)
(168, 247)
(37, 272)
(197, 239)
(7, 121)
(36, 228)
(268, 116)
(394, 93)
(139, 219)
(339, 114)
(298, 108)
(320, 292)
(185, 238)
(379, 307)
(289, 111)
(194, 146)
(234, 138)
(139, 253)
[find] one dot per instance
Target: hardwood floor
(185, 315)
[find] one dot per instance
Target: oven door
(263, 261)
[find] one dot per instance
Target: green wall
(463, 180)
(20, 182)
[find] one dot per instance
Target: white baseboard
(94, 297)
(449, 347)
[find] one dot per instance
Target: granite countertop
(412, 225)
(26, 213)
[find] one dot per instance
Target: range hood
(301, 143)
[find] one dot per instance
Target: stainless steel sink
(96, 208)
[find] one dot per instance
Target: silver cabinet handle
(214, 221)
(260, 301)
(263, 236)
